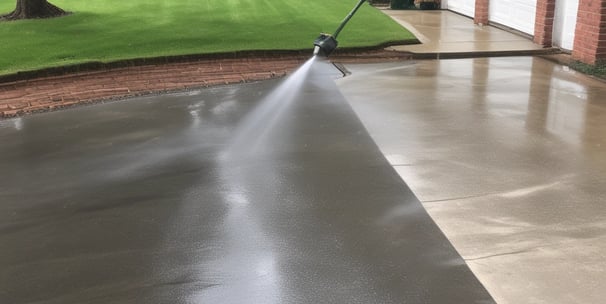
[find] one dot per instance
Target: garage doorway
(564, 23)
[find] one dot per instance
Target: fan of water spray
(252, 132)
(256, 125)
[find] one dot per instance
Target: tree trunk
(31, 9)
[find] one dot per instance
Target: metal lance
(325, 44)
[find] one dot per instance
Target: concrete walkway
(445, 34)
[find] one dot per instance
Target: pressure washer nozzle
(316, 50)
(324, 45)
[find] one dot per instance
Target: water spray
(326, 43)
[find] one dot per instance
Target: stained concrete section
(151, 201)
(445, 34)
(508, 155)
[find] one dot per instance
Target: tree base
(42, 10)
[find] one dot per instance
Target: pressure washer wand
(342, 25)
(326, 43)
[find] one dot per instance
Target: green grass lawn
(109, 30)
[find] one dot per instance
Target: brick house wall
(481, 12)
(543, 26)
(590, 33)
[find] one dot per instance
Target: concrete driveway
(508, 155)
(261, 193)
(137, 202)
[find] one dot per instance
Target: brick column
(590, 35)
(481, 13)
(543, 24)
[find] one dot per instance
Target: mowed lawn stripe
(109, 30)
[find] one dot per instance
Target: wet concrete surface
(508, 155)
(446, 33)
(138, 202)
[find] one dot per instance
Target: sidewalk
(445, 34)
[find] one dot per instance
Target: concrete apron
(136, 202)
(445, 34)
(508, 155)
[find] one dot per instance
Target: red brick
(14, 106)
(544, 22)
(10, 113)
(111, 90)
(589, 34)
(36, 108)
(87, 96)
(12, 94)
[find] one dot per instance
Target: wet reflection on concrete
(443, 32)
(508, 155)
(135, 202)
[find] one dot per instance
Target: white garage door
(565, 23)
(464, 7)
(516, 14)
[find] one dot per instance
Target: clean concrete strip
(508, 156)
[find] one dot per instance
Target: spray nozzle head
(324, 45)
